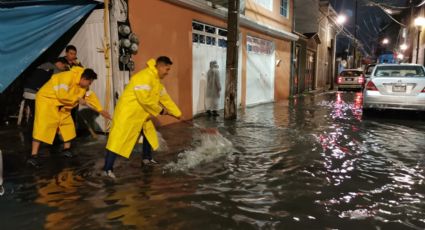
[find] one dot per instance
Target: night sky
(370, 20)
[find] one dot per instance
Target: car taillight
(370, 86)
(423, 90)
(339, 79)
(360, 80)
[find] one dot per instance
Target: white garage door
(260, 68)
(209, 44)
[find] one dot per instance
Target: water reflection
(60, 193)
(313, 163)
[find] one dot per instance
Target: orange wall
(271, 18)
(166, 32)
(169, 32)
(283, 48)
(283, 70)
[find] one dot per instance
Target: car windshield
(369, 69)
(348, 73)
(399, 71)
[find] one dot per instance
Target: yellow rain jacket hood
(142, 98)
(53, 104)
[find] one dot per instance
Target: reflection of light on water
(358, 103)
(344, 159)
(338, 98)
(340, 107)
(61, 192)
(357, 214)
(213, 146)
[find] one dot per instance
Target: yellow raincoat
(54, 102)
(142, 97)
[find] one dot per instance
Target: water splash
(211, 148)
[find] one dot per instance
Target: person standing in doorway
(71, 56)
(143, 99)
(213, 89)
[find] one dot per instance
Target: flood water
(311, 163)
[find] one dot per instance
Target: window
(222, 43)
(210, 40)
(222, 33)
(399, 71)
(284, 7)
(208, 34)
(195, 38)
(197, 26)
(351, 73)
(268, 4)
(201, 39)
(210, 29)
(369, 69)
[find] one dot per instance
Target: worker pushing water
(143, 98)
(53, 105)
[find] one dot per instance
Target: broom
(91, 131)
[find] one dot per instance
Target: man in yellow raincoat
(53, 105)
(144, 97)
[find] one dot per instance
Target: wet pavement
(311, 163)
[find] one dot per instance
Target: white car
(395, 86)
(350, 79)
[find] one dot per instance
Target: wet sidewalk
(311, 163)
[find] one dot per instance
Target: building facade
(194, 33)
(314, 53)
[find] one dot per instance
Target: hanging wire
(398, 37)
(366, 25)
(420, 4)
(385, 7)
(371, 21)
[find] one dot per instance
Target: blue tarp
(27, 30)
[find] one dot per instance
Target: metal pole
(417, 44)
(355, 38)
(1, 175)
(230, 101)
(411, 32)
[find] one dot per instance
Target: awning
(28, 28)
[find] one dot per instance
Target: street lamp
(341, 19)
(419, 23)
(388, 11)
(385, 41)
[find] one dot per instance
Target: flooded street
(311, 163)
